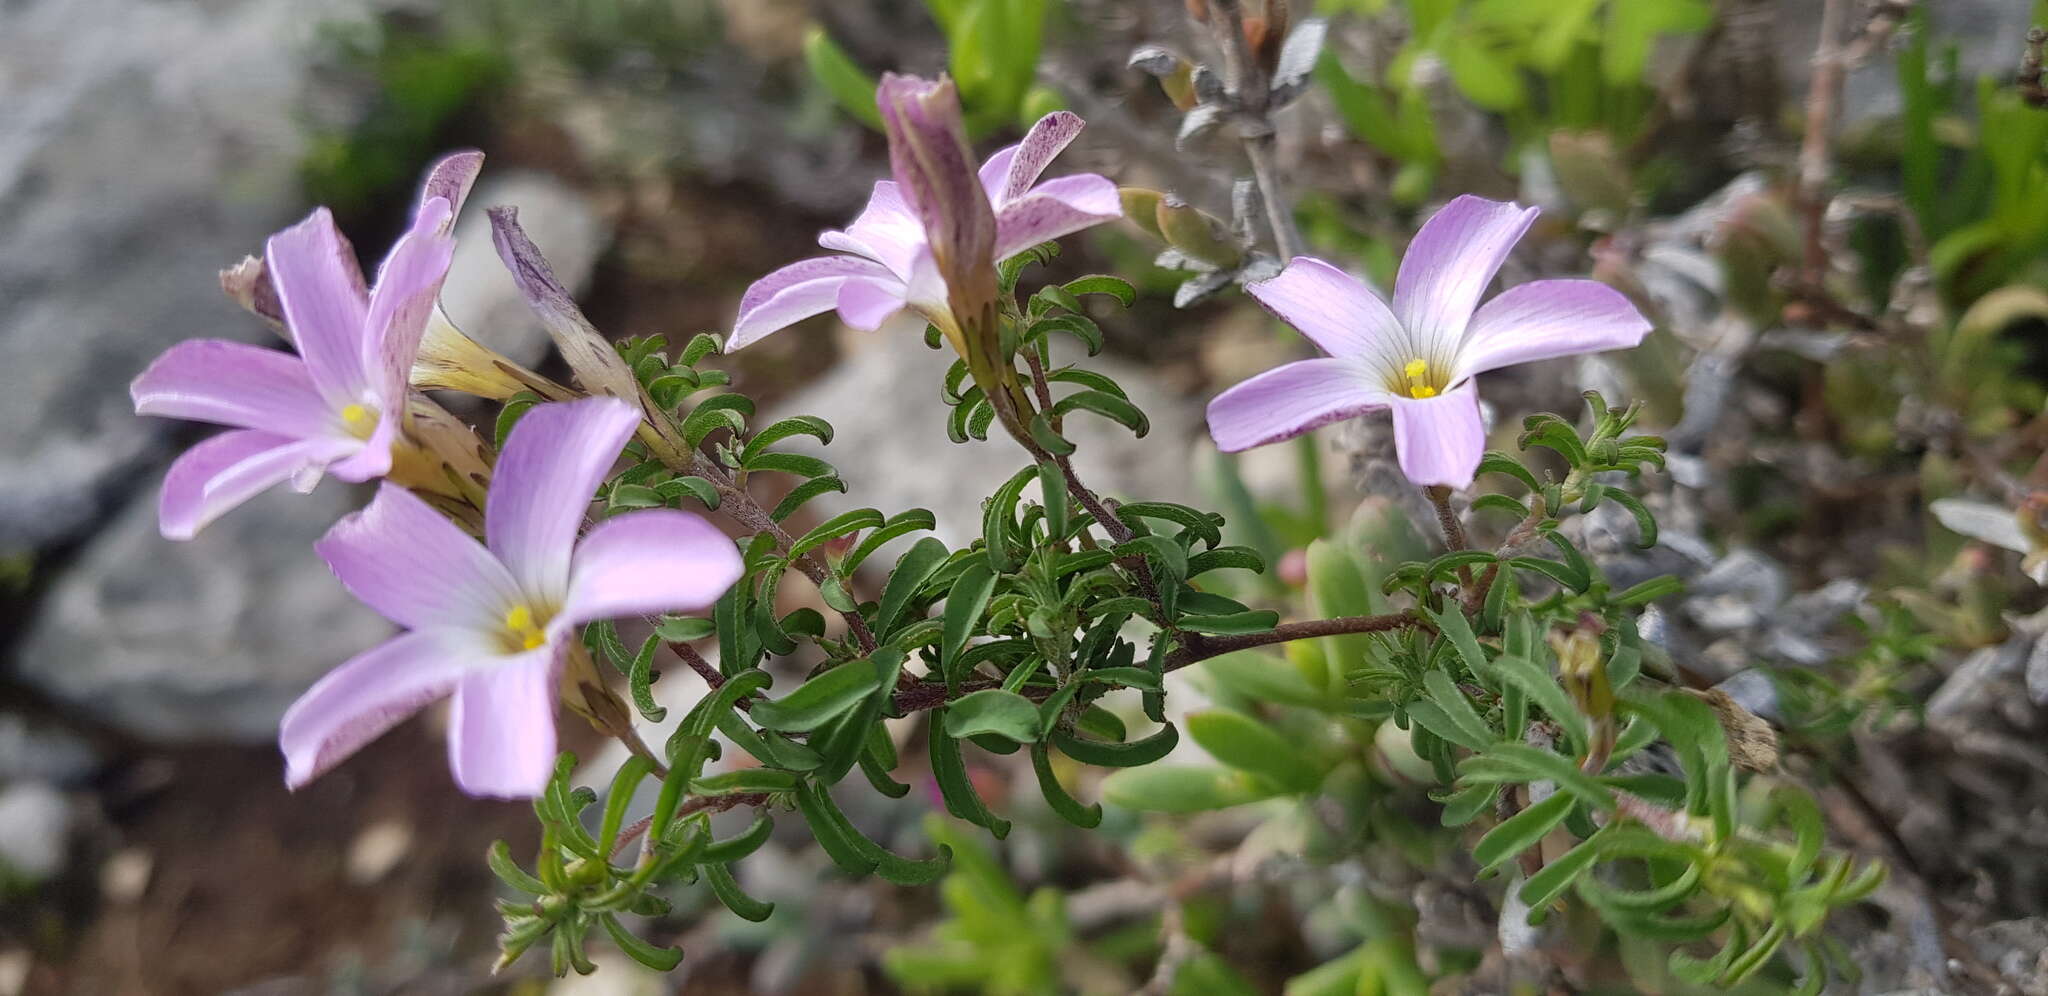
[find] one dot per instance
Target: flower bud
(929, 154)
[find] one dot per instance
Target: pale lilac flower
(889, 261)
(337, 406)
(1418, 357)
(2023, 532)
(488, 623)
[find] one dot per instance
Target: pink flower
(932, 221)
(488, 623)
(1418, 357)
(338, 405)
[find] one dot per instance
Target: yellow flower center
(1417, 372)
(360, 419)
(524, 628)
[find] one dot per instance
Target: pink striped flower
(1418, 357)
(939, 216)
(336, 407)
(488, 623)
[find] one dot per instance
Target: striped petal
(550, 469)
(1448, 266)
(1055, 209)
(1289, 400)
(231, 468)
(1009, 173)
(1440, 440)
(321, 290)
(416, 568)
(234, 383)
(501, 728)
(798, 291)
(1335, 310)
(1549, 318)
(376, 690)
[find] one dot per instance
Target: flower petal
(887, 231)
(234, 383)
(929, 157)
(1548, 318)
(545, 479)
(646, 562)
(1448, 266)
(796, 292)
(1289, 400)
(321, 290)
(450, 179)
(408, 284)
(1440, 440)
(867, 304)
(501, 729)
(356, 702)
(415, 567)
(371, 458)
(229, 469)
(1334, 310)
(1054, 209)
(1981, 520)
(1011, 172)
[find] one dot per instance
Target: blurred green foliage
(992, 54)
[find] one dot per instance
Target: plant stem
(1454, 538)
(1245, 86)
(734, 501)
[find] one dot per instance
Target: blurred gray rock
(205, 640)
(39, 750)
(479, 295)
(891, 448)
(35, 831)
(144, 146)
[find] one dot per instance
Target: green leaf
(847, 842)
(499, 857)
(1116, 287)
(798, 425)
(744, 843)
(1549, 882)
(1642, 901)
(1056, 797)
(913, 569)
(1204, 526)
(727, 889)
(803, 493)
(1258, 621)
(1543, 689)
(1173, 788)
(956, 789)
(1051, 441)
(789, 463)
(658, 958)
(993, 711)
(684, 629)
(1458, 630)
(1121, 755)
(1109, 406)
(1521, 831)
(819, 700)
(834, 70)
(964, 606)
(1265, 678)
(1649, 591)
(745, 781)
(1496, 462)
(1246, 744)
(1521, 762)
(1467, 803)
(1052, 490)
(1242, 558)
(902, 522)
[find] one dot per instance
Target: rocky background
(663, 154)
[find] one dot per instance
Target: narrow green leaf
(964, 606)
(913, 569)
(956, 789)
(820, 699)
(727, 889)
(1056, 797)
(1124, 755)
(1521, 831)
(993, 711)
(658, 958)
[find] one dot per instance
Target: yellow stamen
(1417, 372)
(361, 421)
(519, 620)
